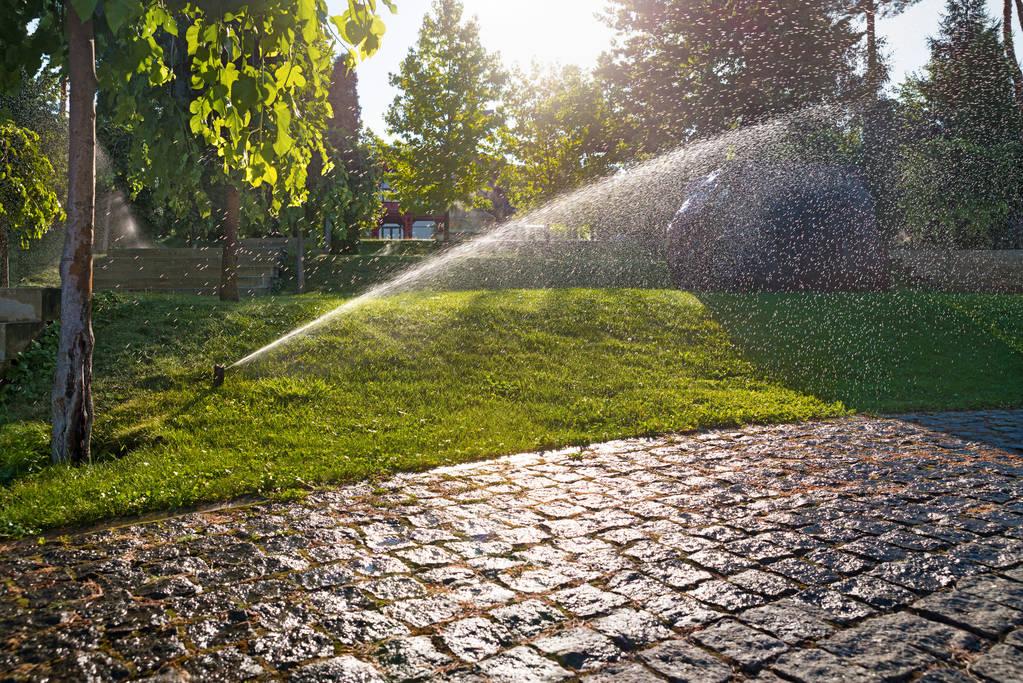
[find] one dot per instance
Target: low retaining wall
(959, 271)
(29, 304)
(24, 313)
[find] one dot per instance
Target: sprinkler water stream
(633, 219)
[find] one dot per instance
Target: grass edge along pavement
(427, 379)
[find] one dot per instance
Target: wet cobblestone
(854, 550)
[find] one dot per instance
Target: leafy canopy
(961, 194)
(28, 205)
(258, 78)
(960, 183)
(966, 90)
(559, 135)
(244, 82)
(444, 116)
(692, 68)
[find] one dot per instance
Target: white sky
(569, 32)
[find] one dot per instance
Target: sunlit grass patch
(884, 352)
(425, 379)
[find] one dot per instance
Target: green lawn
(425, 379)
(883, 354)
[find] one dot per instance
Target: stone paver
(859, 549)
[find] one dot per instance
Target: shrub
(960, 194)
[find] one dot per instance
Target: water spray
(625, 204)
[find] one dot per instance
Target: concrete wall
(22, 304)
(24, 313)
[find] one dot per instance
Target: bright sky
(569, 32)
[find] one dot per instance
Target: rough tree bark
(5, 259)
(72, 385)
(229, 262)
(1010, 51)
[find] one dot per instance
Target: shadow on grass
(884, 352)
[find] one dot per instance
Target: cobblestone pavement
(856, 550)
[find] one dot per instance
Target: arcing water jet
(631, 209)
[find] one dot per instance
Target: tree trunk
(351, 241)
(873, 59)
(5, 259)
(300, 259)
(63, 96)
(1010, 52)
(328, 235)
(72, 385)
(229, 262)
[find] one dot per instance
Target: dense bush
(962, 194)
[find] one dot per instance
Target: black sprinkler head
(218, 376)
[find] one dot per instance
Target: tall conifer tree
(967, 90)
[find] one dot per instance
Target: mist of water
(116, 224)
(605, 230)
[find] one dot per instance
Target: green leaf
(169, 24)
(119, 12)
(289, 76)
(284, 140)
(85, 8)
(246, 92)
(377, 27)
(306, 10)
(192, 38)
(229, 75)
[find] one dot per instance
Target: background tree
(870, 11)
(34, 105)
(345, 124)
(444, 117)
(346, 202)
(558, 136)
(877, 123)
(1009, 42)
(350, 200)
(688, 68)
(28, 204)
(962, 177)
(966, 90)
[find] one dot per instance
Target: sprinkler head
(218, 376)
